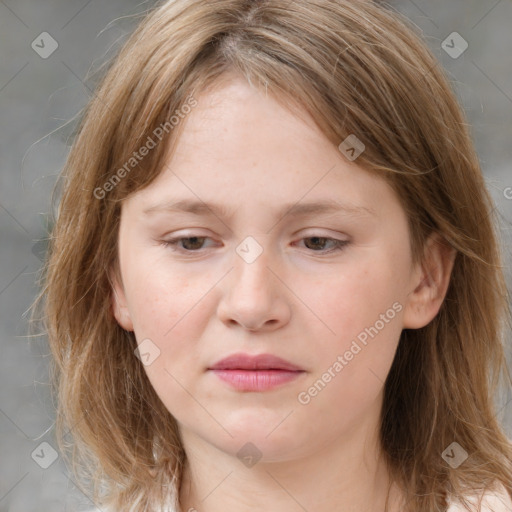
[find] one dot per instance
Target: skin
(297, 300)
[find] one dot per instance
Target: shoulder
(171, 505)
(497, 500)
(172, 509)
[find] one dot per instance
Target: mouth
(263, 372)
(256, 380)
(241, 361)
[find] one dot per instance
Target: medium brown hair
(355, 68)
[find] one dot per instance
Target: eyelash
(339, 245)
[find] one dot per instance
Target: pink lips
(255, 373)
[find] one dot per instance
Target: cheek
(168, 310)
(349, 299)
(159, 297)
(171, 308)
(356, 340)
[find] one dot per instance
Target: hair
(356, 68)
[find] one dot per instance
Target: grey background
(39, 96)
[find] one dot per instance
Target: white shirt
(499, 501)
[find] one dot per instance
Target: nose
(253, 296)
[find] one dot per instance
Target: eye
(193, 243)
(337, 245)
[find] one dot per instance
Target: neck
(348, 474)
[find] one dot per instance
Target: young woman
(274, 281)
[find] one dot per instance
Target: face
(327, 290)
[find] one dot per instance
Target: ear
(430, 281)
(118, 300)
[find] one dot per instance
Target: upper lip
(242, 361)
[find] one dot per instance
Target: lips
(263, 372)
(242, 361)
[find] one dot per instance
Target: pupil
(194, 241)
(315, 239)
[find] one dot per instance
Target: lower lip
(256, 380)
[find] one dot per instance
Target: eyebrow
(198, 207)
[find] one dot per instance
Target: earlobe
(118, 302)
(430, 283)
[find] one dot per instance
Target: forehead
(235, 112)
(239, 145)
